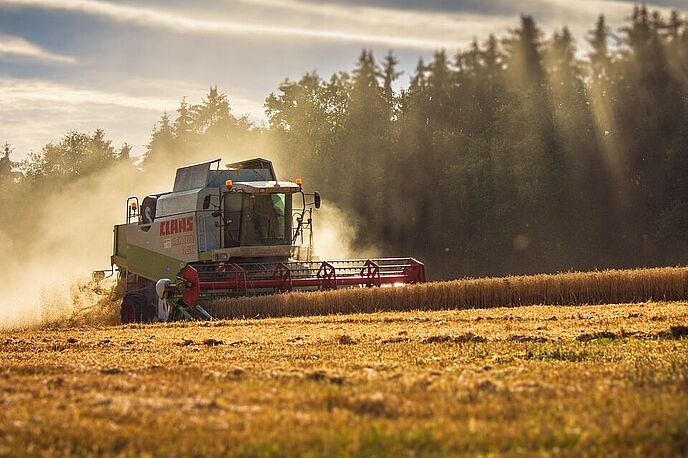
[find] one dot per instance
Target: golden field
(569, 288)
(533, 380)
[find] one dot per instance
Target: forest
(523, 153)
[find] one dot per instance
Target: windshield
(265, 219)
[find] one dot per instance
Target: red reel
(192, 289)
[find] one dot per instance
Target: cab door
(232, 211)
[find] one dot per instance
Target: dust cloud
(67, 234)
(334, 233)
(59, 236)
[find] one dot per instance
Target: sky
(119, 65)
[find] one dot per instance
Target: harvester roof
(191, 184)
(255, 187)
(201, 175)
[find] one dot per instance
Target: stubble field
(588, 380)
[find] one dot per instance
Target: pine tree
(389, 76)
(213, 110)
(162, 145)
(599, 43)
(492, 57)
(6, 164)
(419, 78)
(525, 64)
(440, 80)
(365, 141)
(184, 124)
(100, 154)
(125, 153)
(183, 129)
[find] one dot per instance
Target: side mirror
(317, 201)
(216, 214)
(206, 202)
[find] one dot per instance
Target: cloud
(400, 24)
(14, 92)
(35, 112)
(410, 38)
(436, 23)
(456, 22)
(476, 7)
(18, 47)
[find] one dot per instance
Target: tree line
(520, 154)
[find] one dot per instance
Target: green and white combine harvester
(223, 233)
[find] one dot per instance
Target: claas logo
(176, 226)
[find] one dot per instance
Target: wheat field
(574, 288)
(604, 380)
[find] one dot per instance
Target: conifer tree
(125, 153)
(161, 146)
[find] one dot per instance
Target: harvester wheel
(134, 309)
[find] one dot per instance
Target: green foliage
(200, 132)
(75, 155)
(511, 156)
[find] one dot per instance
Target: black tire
(135, 309)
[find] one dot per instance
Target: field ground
(588, 380)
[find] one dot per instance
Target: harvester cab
(227, 232)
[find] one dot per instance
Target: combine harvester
(225, 233)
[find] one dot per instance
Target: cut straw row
(574, 288)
